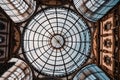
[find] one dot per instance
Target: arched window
(93, 10)
(107, 26)
(18, 10)
(2, 26)
(107, 43)
(1, 52)
(2, 39)
(91, 72)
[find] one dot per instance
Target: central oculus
(56, 42)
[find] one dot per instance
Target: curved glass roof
(91, 72)
(18, 10)
(93, 10)
(56, 41)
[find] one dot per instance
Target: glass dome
(56, 41)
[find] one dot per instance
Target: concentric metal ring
(56, 42)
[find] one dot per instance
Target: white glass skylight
(56, 42)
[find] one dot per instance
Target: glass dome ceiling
(56, 41)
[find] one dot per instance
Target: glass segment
(18, 71)
(93, 10)
(18, 10)
(91, 72)
(56, 41)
